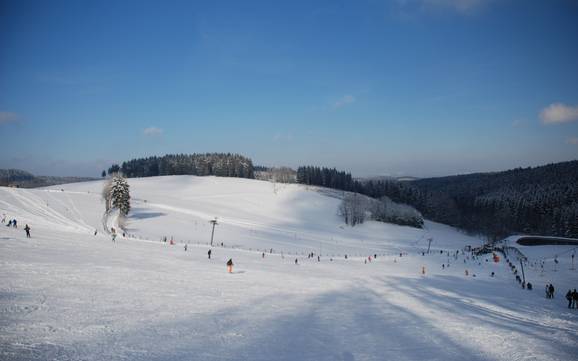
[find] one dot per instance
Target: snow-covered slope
(66, 294)
(251, 214)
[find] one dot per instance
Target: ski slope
(67, 294)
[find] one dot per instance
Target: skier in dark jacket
(14, 223)
(27, 229)
(569, 298)
(209, 254)
(551, 289)
(575, 299)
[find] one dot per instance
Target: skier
(551, 289)
(185, 247)
(569, 298)
(296, 261)
(263, 255)
(9, 224)
(547, 290)
(14, 224)
(27, 229)
(574, 299)
(209, 253)
(95, 232)
(230, 265)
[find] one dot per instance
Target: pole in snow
(214, 222)
(523, 276)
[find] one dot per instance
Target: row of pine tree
(218, 164)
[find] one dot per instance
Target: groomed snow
(66, 294)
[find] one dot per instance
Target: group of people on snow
(14, 224)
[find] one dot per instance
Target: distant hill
(536, 200)
(23, 179)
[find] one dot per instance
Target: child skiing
(27, 229)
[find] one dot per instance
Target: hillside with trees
(218, 164)
(541, 200)
(22, 179)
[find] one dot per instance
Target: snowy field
(66, 294)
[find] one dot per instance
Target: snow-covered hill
(251, 214)
(67, 294)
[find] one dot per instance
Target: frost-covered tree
(353, 209)
(106, 194)
(120, 195)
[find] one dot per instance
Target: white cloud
(572, 140)
(8, 117)
(279, 137)
(559, 113)
(343, 101)
(152, 131)
(462, 6)
(465, 7)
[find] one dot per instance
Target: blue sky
(401, 87)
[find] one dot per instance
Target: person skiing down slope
(209, 253)
(230, 265)
(27, 229)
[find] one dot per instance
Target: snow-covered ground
(66, 294)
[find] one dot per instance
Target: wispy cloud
(344, 101)
(559, 113)
(461, 6)
(517, 123)
(280, 137)
(465, 7)
(8, 117)
(153, 132)
(572, 140)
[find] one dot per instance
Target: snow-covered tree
(120, 195)
(353, 208)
